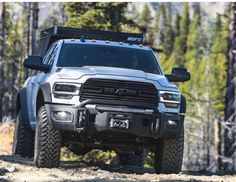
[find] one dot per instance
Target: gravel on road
(23, 170)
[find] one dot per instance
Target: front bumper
(90, 120)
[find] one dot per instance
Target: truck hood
(77, 73)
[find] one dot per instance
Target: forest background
(189, 37)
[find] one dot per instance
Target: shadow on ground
(106, 167)
(111, 172)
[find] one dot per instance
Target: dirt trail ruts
(19, 169)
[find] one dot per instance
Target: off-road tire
(47, 142)
(169, 155)
(23, 143)
(135, 158)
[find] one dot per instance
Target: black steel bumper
(153, 125)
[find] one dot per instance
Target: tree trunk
(229, 150)
(2, 38)
(28, 6)
(34, 27)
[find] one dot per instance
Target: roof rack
(67, 32)
(50, 35)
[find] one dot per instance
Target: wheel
(78, 150)
(134, 158)
(169, 155)
(23, 143)
(47, 142)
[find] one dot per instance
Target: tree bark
(2, 38)
(28, 6)
(229, 150)
(34, 27)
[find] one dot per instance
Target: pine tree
(218, 59)
(134, 15)
(169, 34)
(146, 18)
(192, 59)
(177, 24)
(159, 27)
(181, 48)
(181, 30)
(102, 15)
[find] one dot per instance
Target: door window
(48, 54)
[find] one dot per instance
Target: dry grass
(6, 137)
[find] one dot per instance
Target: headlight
(170, 99)
(65, 90)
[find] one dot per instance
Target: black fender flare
(183, 105)
(182, 110)
(21, 104)
(46, 91)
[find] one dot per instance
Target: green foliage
(145, 18)
(173, 40)
(101, 15)
(163, 30)
(169, 33)
(94, 156)
(160, 26)
(218, 59)
(202, 51)
(193, 55)
(186, 42)
(181, 43)
(134, 15)
(177, 24)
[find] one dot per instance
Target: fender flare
(183, 105)
(21, 104)
(46, 91)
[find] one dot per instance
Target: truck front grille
(119, 90)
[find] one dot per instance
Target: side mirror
(179, 75)
(36, 63)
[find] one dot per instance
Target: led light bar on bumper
(65, 90)
(170, 99)
(123, 109)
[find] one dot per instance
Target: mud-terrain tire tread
(135, 158)
(23, 143)
(47, 143)
(169, 155)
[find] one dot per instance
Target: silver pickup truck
(99, 90)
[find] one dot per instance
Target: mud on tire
(169, 155)
(23, 143)
(135, 158)
(47, 142)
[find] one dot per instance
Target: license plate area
(119, 123)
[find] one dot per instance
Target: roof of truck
(105, 43)
(53, 34)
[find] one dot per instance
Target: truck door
(39, 78)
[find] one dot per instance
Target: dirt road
(19, 169)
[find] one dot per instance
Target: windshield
(77, 55)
